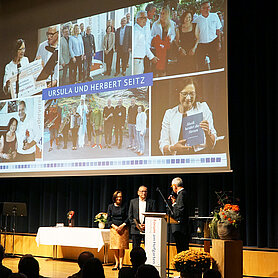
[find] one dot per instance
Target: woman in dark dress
(117, 220)
(187, 43)
(8, 142)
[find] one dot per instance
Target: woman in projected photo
(12, 69)
(163, 34)
(8, 142)
(109, 47)
(171, 137)
(187, 43)
(118, 223)
(76, 48)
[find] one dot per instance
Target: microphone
(172, 194)
(50, 48)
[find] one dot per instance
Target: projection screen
(136, 90)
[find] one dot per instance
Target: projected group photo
(125, 89)
(111, 124)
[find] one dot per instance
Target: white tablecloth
(73, 236)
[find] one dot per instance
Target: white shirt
(45, 56)
(141, 46)
(11, 69)
(141, 122)
(172, 121)
(147, 29)
(207, 27)
(23, 128)
(157, 30)
(142, 209)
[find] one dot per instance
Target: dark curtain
(252, 75)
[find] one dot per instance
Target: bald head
(142, 192)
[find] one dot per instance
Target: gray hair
(139, 14)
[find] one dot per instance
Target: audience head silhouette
(212, 273)
(93, 268)
(29, 266)
(147, 271)
(2, 253)
(17, 275)
(137, 257)
(84, 257)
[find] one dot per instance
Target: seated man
(82, 259)
(4, 271)
(137, 257)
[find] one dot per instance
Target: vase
(191, 274)
(228, 232)
(101, 225)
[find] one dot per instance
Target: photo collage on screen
(183, 113)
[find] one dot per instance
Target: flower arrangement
(226, 214)
(70, 214)
(101, 217)
(193, 261)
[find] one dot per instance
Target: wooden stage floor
(59, 268)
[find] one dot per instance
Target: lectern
(155, 240)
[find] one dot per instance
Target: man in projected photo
(171, 137)
(151, 11)
(209, 36)
(108, 116)
(141, 44)
(131, 122)
(89, 51)
(45, 51)
(119, 121)
(27, 134)
(65, 53)
(123, 41)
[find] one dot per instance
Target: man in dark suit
(180, 213)
(89, 50)
(123, 44)
(137, 207)
(119, 121)
(4, 271)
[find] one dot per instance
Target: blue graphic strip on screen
(98, 86)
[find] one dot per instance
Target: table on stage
(74, 236)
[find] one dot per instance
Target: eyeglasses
(143, 191)
(51, 34)
(185, 94)
(173, 185)
(143, 17)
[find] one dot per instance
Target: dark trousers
(108, 132)
(210, 50)
(66, 68)
(122, 56)
(88, 64)
(65, 133)
(74, 133)
(136, 240)
(75, 66)
(89, 131)
(108, 61)
(118, 133)
(182, 241)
